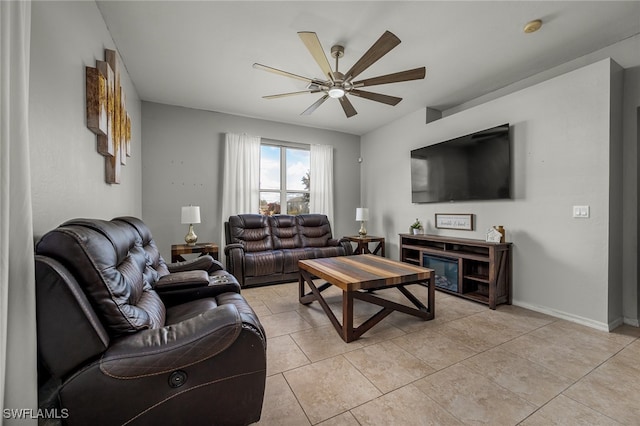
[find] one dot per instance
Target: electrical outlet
(581, 212)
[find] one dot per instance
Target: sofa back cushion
(252, 231)
(284, 232)
(314, 230)
(155, 261)
(110, 265)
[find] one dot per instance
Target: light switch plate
(581, 212)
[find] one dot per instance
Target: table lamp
(362, 214)
(191, 215)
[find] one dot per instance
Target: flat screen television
(471, 167)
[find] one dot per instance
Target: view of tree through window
(284, 180)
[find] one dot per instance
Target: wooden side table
(177, 250)
(363, 244)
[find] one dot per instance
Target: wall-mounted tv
(471, 167)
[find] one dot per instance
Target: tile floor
(468, 366)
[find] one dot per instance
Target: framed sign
(462, 222)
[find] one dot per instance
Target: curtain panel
(18, 365)
(321, 177)
(241, 180)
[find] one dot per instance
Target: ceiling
(200, 54)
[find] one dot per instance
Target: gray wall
(67, 173)
(561, 150)
(182, 151)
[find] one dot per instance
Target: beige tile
(379, 333)
(330, 387)
(473, 398)
(283, 323)
(522, 318)
(563, 411)
(405, 406)
(281, 304)
(284, 354)
(388, 366)
(631, 352)
(437, 350)
(323, 342)
(260, 308)
(554, 356)
(480, 331)
(521, 376)
(344, 419)
(599, 344)
(313, 314)
(280, 406)
(612, 389)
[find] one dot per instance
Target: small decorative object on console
(493, 235)
(416, 227)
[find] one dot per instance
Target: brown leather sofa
(124, 337)
(266, 249)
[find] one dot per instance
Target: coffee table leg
(347, 316)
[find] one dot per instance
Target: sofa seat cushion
(263, 263)
(179, 313)
(329, 251)
(292, 256)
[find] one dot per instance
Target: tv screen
(471, 167)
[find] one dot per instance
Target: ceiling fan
(337, 85)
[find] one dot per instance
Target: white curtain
(18, 378)
(321, 177)
(241, 180)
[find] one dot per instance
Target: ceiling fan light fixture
(336, 92)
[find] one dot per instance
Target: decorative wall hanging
(462, 222)
(107, 116)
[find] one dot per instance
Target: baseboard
(632, 321)
(603, 326)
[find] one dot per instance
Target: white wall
(66, 170)
(561, 148)
(182, 151)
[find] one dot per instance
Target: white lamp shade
(191, 214)
(362, 213)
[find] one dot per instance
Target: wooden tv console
(484, 270)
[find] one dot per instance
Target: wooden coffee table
(358, 276)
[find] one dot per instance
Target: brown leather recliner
(116, 354)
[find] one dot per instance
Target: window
(284, 179)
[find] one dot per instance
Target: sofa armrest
(203, 263)
(234, 254)
(348, 248)
(332, 242)
(233, 246)
(169, 348)
(180, 280)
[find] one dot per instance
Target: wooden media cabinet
(469, 268)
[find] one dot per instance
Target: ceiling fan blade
(414, 74)
(315, 105)
(385, 99)
(381, 47)
(285, 73)
(282, 95)
(348, 108)
(310, 39)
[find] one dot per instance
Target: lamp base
(191, 236)
(362, 232)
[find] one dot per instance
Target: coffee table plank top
(364, 271)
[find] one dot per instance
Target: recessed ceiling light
(533, 26)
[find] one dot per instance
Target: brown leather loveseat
(124, 338)
(266, 249)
